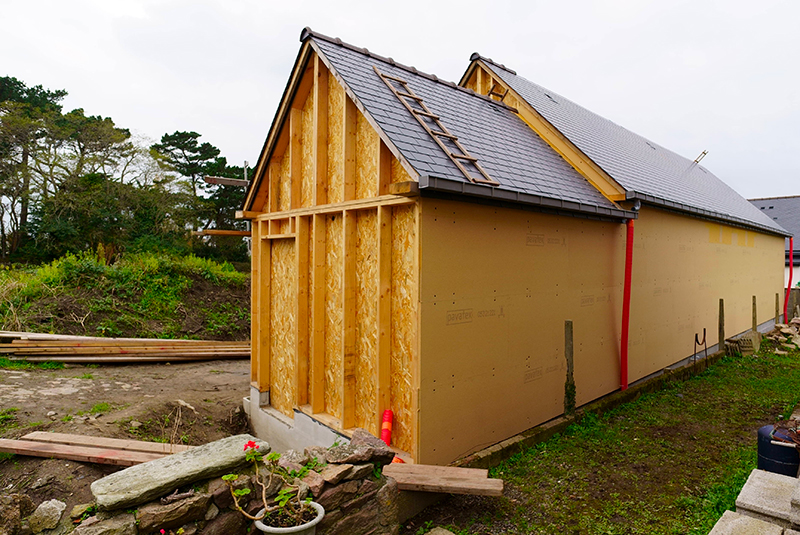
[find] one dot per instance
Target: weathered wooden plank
(436, 481)
(103, 442)
(77, 453)
(432, 469)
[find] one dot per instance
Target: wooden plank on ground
(102, 442)
(449, 471)
(76, 453)
(418, 480)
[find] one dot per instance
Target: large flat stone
(767, 496)
(738, 524)
(147, 481)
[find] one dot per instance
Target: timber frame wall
(335, 307)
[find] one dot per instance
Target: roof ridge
(774, 198)
(308, 33)
(476, 56)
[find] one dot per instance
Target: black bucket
(776, 459)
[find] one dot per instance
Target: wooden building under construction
(419, 244)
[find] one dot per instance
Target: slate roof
(528, 169)
(785, 211)
(646, 170)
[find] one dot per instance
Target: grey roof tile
(637, 164)
(505, 146)
(785, 211)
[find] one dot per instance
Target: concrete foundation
(738, 524)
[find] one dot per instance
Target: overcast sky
(691, 75)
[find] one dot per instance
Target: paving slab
(440, 531)
(738, 524)
(767, 496)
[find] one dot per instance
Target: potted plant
(288, 512)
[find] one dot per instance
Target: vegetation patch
(138, 295)
(671, 461)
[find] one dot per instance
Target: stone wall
(185, 492)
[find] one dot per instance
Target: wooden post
(721, 339)
(569, 385)
(777, 308)
(265, 315)
(349, 323)
(255, 316)
(755, 316)
(320, 132)
(317, 349)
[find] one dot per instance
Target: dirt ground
(190, 403)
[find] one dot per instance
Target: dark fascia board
(277, 123)
(430, 184)
(703, 214)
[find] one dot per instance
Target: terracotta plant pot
(309, 528)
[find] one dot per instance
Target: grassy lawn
(669, 462)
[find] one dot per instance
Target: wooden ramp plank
(442, 479)
(432, 469)
(76, 453)
(102, 442)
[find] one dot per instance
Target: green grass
(100, 407)
(668, 462)
(9, 364)
(8, 419)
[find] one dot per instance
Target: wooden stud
(349, 323)
(274, 186)
(384, 169)
(317, 349)
(416, 367)
(255, 315)
(301, 314)
(384, 252)
(263, 349)
(296, 155)
(349, 140)
(320, 132)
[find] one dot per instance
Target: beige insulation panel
(497, 285)
(282, 325)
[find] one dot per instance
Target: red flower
(250, 444)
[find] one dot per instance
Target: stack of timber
(118, 452)
(34, 347)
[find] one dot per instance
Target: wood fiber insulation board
(497, 286)
(336, 100)
(282, 325)
(285, 182)
(404, 326)
(334, 311)
(307, 152)
(367, 152)
(682, 266)
(366, 335)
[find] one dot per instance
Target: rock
(89, 521)
(289, 466)
(46, 515)
(360, 471)
(80, 510)
(315, 482)
(302, 489)
(228, 523)
(189, 529)
(135, 424)
(144, 482)
(333, 497)
(124, 524)
(154, 515)
(13, 508)
(317, 452)
(212, 513)
(273, 485)
(42, 482)
(333, 473)
(379, 452)
(220, 493)
(388, 500)
(779, 352)
(296, 457)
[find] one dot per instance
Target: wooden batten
(301, 311)
(262, 351)
(348, 387)
(349, 123)
(384, 323)
(384, 169)
(255, 308)
(295, 156)
(273, 177)
(317, 342)
(320, 132)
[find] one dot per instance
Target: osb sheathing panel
(307, 151)
(285, 183)
(334, 280)
(399, 173)
(366, 320)
(336, 98)
(367, 151)
(282, 325)
(681, 268)
(404, 326)
(493, 310)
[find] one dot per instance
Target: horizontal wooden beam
(247, 214)
(358, 204)
(410, 187)
(221, 232)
